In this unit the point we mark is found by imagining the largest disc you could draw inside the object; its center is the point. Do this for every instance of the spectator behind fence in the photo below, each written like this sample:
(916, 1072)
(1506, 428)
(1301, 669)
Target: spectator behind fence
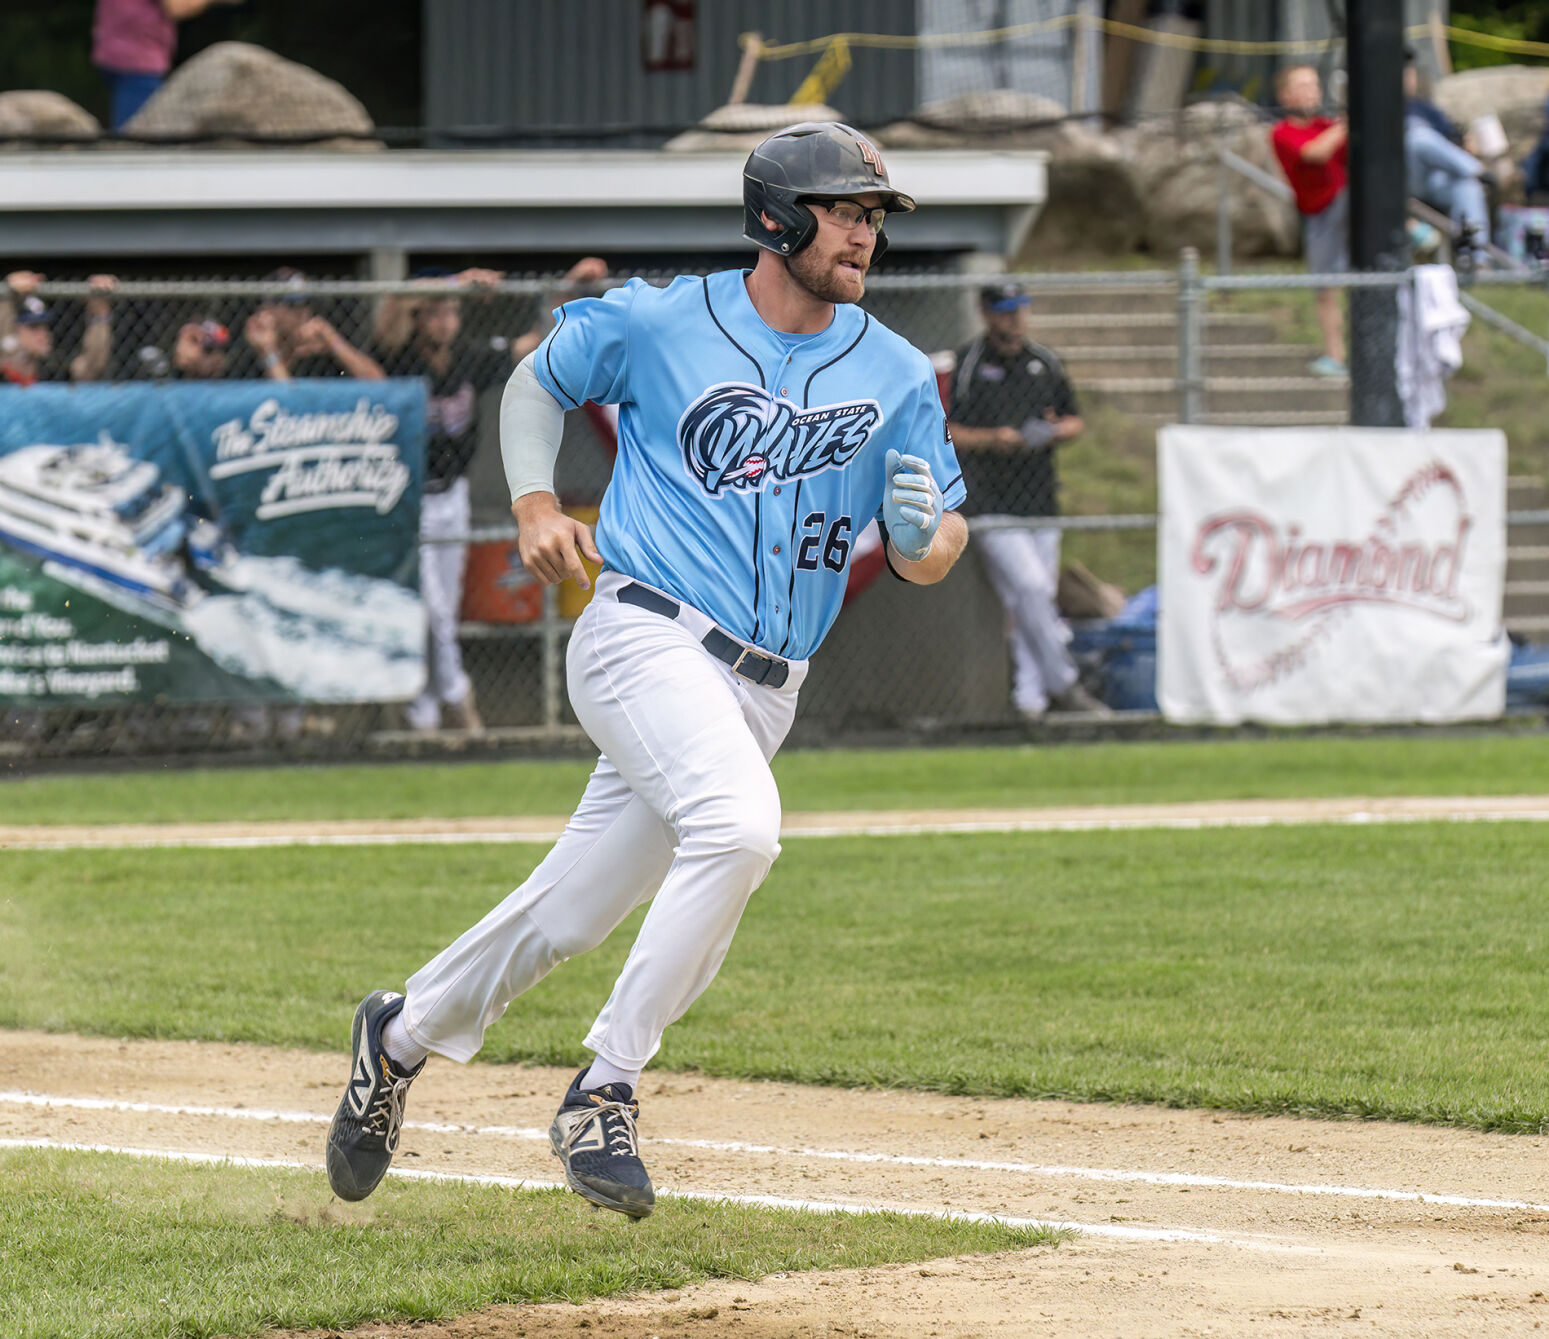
(1535, 167)
(132, 44)
(28, 349)
(286, 339)
(1011, 406)
(423, 336)
(1439, 171)
(1313, 153)
(201, 351)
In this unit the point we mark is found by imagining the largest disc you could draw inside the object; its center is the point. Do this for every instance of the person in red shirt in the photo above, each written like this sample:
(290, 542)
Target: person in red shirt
(1313, 153)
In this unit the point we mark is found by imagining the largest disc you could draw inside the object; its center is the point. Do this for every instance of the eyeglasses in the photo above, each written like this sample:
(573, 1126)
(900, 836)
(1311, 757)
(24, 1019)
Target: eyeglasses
(849, 215)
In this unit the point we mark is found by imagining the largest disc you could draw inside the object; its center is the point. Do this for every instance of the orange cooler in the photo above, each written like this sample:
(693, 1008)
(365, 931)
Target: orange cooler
(497, 588)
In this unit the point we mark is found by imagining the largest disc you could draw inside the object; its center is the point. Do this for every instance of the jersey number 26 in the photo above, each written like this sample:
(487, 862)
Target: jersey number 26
(836, 544)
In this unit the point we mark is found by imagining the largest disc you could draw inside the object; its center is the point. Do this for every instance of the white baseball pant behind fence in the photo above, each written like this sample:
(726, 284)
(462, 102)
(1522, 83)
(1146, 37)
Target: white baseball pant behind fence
(1024, 567)
(442, 516)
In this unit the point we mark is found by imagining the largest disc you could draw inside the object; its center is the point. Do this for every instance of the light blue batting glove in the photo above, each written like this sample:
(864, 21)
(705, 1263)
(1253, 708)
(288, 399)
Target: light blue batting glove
(911, 505)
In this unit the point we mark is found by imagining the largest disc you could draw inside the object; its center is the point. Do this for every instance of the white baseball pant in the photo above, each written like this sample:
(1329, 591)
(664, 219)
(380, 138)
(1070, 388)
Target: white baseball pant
(442, 515)
(1024, 567)
(682, 806)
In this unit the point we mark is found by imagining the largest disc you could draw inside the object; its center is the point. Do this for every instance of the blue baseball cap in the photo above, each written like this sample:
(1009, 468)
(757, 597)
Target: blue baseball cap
(293, 279)
(33, 311)
(1005, 297)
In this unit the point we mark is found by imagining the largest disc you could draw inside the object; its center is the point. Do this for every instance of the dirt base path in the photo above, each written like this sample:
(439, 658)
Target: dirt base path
(1199, 1223)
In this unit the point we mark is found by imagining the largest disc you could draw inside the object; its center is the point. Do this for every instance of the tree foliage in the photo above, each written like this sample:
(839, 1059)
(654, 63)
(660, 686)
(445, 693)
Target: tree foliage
(1527, 21)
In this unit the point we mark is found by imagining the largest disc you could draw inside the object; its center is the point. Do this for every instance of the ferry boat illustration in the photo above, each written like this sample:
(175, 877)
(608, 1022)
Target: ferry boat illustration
(108, 522)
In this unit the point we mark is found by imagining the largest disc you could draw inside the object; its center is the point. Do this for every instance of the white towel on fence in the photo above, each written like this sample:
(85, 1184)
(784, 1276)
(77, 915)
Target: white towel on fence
(1431, 322)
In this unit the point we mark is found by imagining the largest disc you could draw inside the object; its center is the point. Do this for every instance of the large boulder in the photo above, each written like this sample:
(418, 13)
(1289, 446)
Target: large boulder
(1092, 203)
(1154, 186)
(28, 112)
(1515, 93)
(1178, 175)
(742, 126)
(989, 112)
(239, 92)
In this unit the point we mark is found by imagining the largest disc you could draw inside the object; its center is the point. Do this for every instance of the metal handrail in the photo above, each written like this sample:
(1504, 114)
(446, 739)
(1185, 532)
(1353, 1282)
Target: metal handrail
(1232, 162)
(1418, 209)
(1506, 325)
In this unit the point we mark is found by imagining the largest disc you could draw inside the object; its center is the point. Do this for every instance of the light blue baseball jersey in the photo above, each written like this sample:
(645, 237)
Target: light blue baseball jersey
(748, 461)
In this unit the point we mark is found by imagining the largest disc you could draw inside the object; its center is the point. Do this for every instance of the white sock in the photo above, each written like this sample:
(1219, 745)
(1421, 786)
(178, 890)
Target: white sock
(602, 1072)
(401, 1048)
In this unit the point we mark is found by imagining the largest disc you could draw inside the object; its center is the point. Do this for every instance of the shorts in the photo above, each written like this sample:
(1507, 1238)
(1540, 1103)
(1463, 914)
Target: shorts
(1326, 237)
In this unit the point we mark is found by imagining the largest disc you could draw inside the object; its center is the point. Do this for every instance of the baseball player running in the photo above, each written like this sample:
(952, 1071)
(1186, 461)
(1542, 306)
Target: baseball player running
(764, 421)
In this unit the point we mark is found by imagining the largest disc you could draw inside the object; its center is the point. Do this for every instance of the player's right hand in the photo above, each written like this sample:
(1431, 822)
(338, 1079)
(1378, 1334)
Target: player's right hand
(547, 540)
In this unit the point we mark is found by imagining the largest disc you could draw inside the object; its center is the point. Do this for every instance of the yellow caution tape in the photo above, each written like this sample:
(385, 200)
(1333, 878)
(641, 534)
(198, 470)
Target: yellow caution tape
(1113, 28)
(1517, 46)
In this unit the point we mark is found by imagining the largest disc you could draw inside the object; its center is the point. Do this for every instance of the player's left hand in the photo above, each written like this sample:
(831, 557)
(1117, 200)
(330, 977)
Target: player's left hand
(911, 505)
(547, 541)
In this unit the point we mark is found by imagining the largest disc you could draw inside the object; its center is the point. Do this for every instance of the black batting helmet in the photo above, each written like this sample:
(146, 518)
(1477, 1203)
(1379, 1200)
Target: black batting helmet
(815, 158)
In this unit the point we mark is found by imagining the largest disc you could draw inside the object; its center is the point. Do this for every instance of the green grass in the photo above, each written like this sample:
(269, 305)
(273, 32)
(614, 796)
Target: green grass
(1112, 467)
(1120, 773)
(1383, 971)
(1110, 470)
(101, 1246)
(1501, 382)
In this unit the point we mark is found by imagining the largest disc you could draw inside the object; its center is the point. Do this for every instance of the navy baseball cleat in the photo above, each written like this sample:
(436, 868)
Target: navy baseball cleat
(364, 1133)
(594, 1136)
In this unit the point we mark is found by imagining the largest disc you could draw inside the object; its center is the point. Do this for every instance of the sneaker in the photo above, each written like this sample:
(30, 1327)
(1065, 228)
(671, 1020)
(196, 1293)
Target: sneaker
(462, 715)
(594, 1136)
(1076, 698)
(1324, 366)
(364, 1133)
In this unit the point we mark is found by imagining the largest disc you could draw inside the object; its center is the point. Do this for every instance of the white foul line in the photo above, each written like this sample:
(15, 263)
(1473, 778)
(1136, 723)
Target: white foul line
(1187, 816)
(1053, 1171)
(1123, 1233)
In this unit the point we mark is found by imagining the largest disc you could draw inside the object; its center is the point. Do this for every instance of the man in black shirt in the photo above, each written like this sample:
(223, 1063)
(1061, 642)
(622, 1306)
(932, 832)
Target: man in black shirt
(1011, 406)
(424, 337)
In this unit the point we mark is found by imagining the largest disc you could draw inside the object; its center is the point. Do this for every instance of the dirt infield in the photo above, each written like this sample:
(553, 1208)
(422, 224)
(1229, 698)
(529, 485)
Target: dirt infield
(1199, 1223)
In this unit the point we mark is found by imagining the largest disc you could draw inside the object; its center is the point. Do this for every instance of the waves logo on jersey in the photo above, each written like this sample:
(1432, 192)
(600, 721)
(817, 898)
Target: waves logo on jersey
(737, 436)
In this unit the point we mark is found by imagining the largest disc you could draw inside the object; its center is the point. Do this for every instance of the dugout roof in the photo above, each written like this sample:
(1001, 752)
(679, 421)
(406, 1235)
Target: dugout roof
(127, 203)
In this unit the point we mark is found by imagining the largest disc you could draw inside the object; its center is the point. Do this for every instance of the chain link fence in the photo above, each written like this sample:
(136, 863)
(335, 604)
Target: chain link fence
(1054, 386)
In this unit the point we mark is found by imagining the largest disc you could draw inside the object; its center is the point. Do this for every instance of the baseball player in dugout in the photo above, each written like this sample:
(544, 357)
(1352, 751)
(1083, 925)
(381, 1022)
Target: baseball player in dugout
(1011, 407)
(764, 420)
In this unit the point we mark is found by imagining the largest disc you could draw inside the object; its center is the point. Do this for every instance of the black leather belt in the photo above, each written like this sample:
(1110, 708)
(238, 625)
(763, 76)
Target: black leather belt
(754, 666)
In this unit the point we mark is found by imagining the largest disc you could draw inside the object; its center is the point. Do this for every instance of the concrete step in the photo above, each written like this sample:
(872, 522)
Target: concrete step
(1534, 629)
(1526, 599)
(1161, 360)
(1105, 298)
(1527, 562)
(1225, 395)
(1526, 492)
(1250, 418)
(1160, 327)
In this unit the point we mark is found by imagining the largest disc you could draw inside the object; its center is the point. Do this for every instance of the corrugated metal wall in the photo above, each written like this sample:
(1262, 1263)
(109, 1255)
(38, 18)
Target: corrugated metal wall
(1039, 62)
(577, 62)
(1283, 21)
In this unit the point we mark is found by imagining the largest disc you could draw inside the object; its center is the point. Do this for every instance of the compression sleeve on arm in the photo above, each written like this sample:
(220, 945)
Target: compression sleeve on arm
(532, 423)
